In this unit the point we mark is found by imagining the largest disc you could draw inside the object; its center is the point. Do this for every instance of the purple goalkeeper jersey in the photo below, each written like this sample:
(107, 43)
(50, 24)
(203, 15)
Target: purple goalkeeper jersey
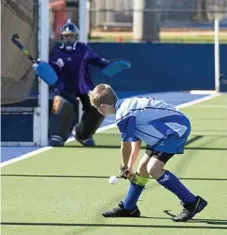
(74, 76)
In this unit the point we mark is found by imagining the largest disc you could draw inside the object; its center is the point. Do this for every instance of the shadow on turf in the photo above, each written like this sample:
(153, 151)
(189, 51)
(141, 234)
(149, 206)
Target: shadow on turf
(193, 139)
(100, 177)
(115, 146)
(203, 148)
(175, 226)
(207, 221)
(167, 212)
(143, 147)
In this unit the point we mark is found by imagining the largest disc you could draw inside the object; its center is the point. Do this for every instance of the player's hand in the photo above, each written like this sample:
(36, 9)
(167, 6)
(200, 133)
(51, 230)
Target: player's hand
(126, 172)
(60, 63)
(123, 170)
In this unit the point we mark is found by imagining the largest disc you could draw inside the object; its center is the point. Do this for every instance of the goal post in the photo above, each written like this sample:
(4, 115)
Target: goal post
(83, 20)
(84, 6)
(43, 35)
(216, 55)
(216, 11)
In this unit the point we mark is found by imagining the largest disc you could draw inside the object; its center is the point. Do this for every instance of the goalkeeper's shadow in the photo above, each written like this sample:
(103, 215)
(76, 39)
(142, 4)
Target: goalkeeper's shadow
(97, 146)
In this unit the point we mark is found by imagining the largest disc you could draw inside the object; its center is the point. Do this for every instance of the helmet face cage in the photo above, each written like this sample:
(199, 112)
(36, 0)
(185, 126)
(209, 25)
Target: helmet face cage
(69, 39)
(69, 35)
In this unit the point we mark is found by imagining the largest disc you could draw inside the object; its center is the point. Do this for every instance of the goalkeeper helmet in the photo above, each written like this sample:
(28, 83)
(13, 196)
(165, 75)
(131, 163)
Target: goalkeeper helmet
(69, 35)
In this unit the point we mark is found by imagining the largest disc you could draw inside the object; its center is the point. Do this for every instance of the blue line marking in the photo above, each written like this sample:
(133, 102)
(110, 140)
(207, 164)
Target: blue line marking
(8, 153)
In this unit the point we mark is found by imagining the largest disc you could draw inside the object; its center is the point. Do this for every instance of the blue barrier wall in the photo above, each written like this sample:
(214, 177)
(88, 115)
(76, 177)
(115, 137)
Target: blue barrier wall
(163, 67)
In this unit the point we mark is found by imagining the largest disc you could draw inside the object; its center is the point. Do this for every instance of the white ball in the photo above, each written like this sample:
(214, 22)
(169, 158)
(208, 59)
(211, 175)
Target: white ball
(113, 180)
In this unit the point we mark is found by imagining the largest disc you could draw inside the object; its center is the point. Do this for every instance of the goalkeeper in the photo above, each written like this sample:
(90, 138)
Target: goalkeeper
(70, 59)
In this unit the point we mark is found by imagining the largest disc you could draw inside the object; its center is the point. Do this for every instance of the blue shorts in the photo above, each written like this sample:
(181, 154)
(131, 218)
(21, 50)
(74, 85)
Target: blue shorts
(172, 143)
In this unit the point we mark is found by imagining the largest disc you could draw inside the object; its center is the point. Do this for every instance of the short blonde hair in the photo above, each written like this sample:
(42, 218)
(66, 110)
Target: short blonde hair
(103, 94)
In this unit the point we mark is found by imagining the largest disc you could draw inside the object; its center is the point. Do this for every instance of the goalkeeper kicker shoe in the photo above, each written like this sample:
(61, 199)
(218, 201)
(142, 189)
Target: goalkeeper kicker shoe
(56, 141)
(121, 212)
(190, 210)
(89, 142)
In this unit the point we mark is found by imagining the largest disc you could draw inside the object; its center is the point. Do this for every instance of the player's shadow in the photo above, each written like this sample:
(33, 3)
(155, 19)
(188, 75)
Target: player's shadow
(98, 146)
(207, 221)
(143, 147)
(115, 144)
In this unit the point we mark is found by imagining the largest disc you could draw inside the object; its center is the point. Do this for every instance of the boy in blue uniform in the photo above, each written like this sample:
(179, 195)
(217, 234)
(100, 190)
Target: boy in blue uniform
(70, 60)
(165, 131)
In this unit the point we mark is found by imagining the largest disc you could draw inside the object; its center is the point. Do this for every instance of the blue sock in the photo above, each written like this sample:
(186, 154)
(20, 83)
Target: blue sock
(133, 195)
(173, 184)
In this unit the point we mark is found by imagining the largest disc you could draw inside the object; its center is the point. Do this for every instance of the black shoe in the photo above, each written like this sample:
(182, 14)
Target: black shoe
(121, 212)
(190, 210)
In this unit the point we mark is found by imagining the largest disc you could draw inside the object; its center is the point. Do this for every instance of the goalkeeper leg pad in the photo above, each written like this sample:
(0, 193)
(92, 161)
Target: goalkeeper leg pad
(60, 121)
(89, 123)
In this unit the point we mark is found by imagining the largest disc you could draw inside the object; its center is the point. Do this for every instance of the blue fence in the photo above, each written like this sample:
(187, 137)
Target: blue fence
(163, 67)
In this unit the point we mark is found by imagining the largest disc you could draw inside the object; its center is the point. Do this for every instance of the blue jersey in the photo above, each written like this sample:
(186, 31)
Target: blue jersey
(74, 77)
(155, 122)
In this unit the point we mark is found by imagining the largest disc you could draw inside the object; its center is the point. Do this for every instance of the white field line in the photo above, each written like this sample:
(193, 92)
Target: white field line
(217, 106)
(197, 101)
(203, 92)
(25, 156)
(44, 149)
